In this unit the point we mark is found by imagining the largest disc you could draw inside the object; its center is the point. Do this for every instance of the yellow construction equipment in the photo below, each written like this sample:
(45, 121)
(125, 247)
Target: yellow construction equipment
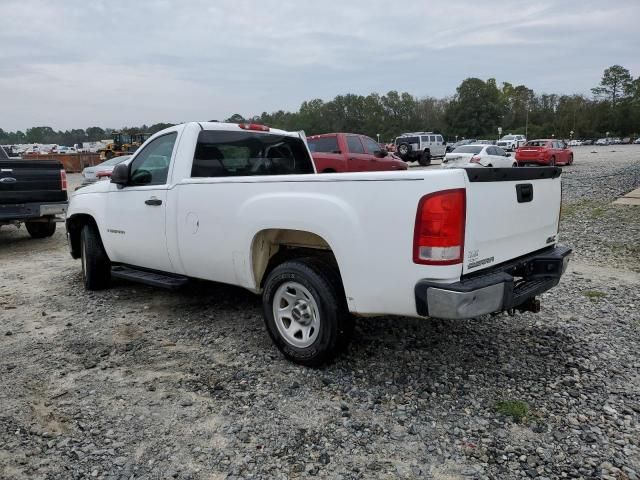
(123, 144)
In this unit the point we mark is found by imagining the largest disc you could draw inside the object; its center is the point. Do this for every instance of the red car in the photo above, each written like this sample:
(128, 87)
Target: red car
(349, 152)
(544, 152)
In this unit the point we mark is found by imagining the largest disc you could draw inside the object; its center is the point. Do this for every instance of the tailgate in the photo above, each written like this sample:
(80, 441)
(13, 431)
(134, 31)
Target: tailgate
(31, 181)
(510, 212)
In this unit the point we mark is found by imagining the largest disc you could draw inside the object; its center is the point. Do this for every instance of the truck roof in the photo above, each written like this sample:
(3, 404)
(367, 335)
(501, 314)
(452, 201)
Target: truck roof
(235, 127)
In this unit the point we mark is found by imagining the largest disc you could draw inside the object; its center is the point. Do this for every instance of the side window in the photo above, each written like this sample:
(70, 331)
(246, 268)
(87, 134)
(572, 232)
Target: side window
(354, 144)
(425, 139)
(500, 151)
(151, 165)
(439, 138)
(371, 145)
(432, 138)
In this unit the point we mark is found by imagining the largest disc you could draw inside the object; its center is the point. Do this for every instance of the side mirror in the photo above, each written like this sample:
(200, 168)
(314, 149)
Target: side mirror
(380, 153)
(120, 174)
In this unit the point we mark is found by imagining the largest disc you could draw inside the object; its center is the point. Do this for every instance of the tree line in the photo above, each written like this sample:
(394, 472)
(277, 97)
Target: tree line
(477, 109)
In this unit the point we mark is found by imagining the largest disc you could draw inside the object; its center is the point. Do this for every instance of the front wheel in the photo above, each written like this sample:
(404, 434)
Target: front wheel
(305, 311)
(41, 229)
(96, 266)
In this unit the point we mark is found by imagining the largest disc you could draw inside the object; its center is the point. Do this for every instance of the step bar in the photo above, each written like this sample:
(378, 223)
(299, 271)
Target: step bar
(155, 279)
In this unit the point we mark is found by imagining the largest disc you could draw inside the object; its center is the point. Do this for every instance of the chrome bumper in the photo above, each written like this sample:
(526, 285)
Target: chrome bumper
(507, 287)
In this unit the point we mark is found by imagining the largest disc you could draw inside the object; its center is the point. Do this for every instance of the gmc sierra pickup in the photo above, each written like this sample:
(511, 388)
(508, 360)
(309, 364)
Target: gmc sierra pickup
(32, 192)
(243, 205)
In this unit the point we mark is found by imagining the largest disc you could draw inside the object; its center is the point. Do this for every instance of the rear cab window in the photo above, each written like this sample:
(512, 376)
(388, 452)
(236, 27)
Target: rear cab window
(227, 153)
(328, 144)
(475, 149)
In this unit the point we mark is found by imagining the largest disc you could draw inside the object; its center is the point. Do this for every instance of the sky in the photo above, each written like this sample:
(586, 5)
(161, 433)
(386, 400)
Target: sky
(78, 63)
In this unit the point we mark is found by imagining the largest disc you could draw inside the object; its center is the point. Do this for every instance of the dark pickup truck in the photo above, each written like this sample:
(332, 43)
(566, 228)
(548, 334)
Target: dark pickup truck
(32, 192)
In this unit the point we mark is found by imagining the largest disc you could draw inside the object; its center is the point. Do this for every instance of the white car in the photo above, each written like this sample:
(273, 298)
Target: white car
(603, 141)
(511, 142)
(242, 204)
(478, 156)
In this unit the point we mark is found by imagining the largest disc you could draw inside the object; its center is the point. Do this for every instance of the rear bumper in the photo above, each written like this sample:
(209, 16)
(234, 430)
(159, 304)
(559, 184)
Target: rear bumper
(27, 211)
(502, 288)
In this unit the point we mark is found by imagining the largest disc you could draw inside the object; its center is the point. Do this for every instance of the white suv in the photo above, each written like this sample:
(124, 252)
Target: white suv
(420, 147)
(511, 142)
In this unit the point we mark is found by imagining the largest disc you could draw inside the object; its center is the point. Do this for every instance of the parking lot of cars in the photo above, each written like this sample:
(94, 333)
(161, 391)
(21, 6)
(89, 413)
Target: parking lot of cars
(137, 382)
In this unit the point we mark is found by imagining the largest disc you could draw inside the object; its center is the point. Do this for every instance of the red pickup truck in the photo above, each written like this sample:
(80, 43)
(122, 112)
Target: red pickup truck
(349, 152)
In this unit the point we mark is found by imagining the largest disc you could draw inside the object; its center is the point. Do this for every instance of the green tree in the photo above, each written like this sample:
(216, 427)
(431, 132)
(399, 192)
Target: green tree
(616, 83)
(477, 108)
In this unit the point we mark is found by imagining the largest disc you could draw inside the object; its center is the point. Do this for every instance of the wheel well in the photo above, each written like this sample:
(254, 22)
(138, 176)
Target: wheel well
(75, 224)
(271, 247)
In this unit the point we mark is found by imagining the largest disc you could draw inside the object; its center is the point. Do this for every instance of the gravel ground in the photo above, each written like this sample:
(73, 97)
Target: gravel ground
(136, 382)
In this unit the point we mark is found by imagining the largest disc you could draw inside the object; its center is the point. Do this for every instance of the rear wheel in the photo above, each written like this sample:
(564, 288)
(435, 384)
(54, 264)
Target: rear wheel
(305, 311)
(514, 165)
(570, 162)
(41, 229)
(96, 266)
(425, 158)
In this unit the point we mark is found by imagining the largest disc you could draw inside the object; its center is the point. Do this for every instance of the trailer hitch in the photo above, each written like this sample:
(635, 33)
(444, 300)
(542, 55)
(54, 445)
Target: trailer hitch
(531, 305)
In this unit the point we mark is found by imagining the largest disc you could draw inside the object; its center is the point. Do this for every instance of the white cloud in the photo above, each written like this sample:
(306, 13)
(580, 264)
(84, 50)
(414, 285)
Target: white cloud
(116, 62)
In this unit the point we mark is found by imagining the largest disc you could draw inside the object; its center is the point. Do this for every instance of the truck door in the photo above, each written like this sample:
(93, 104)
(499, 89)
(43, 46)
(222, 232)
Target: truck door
(359, 160)
(135, 214)
(372, 147)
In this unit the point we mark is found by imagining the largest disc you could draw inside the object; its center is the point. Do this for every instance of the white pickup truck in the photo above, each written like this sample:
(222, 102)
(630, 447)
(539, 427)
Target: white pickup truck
(243, 205)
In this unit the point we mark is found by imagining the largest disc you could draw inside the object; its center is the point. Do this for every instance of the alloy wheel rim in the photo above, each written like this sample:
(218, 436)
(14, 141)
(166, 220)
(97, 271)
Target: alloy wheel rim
(296, 314)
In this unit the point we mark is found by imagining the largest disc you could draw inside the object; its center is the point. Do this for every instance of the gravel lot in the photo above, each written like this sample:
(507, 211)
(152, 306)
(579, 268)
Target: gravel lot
(136, 382)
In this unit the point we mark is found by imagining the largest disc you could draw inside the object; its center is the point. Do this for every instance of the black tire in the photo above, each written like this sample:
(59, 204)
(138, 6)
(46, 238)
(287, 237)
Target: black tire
(514, 165)
(425, 159)
(570, 162)
(552, 162)
(96, 266)
(41, 229)
(322, 282)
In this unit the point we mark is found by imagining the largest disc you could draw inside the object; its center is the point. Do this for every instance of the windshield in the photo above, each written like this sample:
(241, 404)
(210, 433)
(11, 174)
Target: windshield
(508, 137)
(115, 160)
(469, 149)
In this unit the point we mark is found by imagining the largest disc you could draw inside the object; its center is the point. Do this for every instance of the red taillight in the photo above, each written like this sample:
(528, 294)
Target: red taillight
(475, 159)
(63, 180)
(253, 126)
(438, 236)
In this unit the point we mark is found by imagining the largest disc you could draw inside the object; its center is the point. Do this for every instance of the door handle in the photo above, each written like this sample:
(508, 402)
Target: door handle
(153, 201)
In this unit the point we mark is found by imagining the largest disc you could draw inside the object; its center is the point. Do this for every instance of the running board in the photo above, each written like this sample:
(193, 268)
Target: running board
(149, 278)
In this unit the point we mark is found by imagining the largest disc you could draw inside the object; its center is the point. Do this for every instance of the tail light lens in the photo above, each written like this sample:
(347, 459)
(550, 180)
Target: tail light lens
(475, 159)
(438, 236)
(63, 180)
